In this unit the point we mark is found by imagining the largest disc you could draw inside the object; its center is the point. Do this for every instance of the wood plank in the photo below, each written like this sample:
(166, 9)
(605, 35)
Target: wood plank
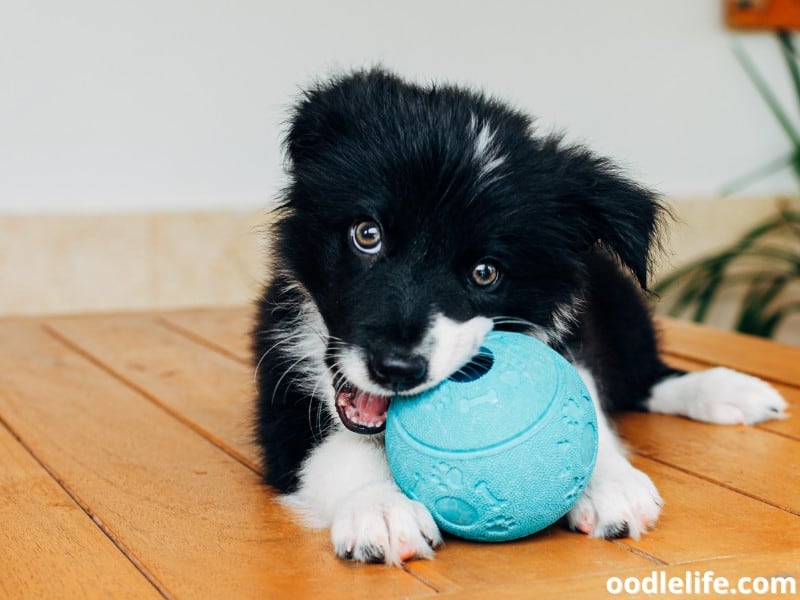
(747, 459)
(463, 564)
(194, 517)
(227, 329)
(755, 355)
(49, 547)
(702, 520)
(579, 586)
(687, 364)
(210, 391)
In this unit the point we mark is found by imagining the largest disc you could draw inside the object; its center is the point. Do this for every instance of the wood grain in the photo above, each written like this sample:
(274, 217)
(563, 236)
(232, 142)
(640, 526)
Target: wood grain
(212, 392)
(49, 547)
(461, 564)
(701, 520)
(226, 329)
(142, 419)
(766, 466)
(754, 355)
(579, 586)
(194, 517)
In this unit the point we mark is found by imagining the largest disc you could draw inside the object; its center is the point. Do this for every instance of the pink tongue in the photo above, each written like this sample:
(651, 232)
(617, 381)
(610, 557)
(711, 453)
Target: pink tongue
(371, 405)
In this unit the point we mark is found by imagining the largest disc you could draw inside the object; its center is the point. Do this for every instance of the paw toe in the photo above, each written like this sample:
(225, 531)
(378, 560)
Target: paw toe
(614, 531)
(384, 528)
(618, 505)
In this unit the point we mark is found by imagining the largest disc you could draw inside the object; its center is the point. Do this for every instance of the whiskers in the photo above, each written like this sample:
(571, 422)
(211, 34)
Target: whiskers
(285, 340)
(297, 358)
(506, 323)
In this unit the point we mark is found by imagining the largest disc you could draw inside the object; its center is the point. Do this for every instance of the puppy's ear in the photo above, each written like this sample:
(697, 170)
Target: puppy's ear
(613, 211)
(331, 112)
(315, 121)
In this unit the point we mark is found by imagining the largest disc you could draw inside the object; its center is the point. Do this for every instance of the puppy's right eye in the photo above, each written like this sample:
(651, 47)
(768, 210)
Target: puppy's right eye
(366, 237)
(485, 274)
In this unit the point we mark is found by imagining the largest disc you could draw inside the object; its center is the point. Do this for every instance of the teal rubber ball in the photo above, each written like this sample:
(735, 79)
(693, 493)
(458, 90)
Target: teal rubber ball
(501, 449)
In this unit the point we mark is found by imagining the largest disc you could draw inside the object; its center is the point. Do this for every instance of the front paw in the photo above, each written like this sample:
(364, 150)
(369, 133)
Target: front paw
(728, 397)
(380, 524)
(618, 502)
(720, 395)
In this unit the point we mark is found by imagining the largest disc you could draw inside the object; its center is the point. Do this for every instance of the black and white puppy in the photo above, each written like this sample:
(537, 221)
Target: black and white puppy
(417, 219)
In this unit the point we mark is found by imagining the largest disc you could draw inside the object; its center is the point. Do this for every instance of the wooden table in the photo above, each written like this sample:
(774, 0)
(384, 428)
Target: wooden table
(126, 470)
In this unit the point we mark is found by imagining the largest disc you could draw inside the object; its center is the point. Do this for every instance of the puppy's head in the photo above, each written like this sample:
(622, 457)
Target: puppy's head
(417, 218)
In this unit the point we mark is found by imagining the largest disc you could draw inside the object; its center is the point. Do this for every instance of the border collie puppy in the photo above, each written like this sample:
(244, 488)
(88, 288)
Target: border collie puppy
(417, 219)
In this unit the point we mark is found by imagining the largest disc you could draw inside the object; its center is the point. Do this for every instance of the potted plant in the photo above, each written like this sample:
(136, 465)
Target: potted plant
(761, 269)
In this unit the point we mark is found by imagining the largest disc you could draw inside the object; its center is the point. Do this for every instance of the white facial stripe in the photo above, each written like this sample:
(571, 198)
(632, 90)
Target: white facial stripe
(447, 346)
(452, 344)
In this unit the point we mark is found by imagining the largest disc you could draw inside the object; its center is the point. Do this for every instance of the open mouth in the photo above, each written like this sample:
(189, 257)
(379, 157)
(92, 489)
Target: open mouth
(360, 411)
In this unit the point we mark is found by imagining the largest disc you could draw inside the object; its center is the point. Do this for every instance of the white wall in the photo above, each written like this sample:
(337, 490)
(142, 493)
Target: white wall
(178, 104)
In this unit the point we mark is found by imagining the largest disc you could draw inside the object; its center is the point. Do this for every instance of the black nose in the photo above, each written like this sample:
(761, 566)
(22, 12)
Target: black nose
(399, 371)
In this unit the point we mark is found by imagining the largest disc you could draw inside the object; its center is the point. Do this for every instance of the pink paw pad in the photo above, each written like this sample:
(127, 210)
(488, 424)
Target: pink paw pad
(586, 523)
(406, 551)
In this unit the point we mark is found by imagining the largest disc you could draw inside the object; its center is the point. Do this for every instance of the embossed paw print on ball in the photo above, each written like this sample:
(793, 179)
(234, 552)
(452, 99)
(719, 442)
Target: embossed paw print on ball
(501, 449)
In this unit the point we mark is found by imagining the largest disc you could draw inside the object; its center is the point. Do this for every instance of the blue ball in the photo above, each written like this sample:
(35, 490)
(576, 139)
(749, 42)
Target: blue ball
(501, 449)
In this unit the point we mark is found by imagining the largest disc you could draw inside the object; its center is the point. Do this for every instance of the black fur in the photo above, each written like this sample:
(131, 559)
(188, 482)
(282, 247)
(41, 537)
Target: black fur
(568, 231)
(616, 337)
(289, 422)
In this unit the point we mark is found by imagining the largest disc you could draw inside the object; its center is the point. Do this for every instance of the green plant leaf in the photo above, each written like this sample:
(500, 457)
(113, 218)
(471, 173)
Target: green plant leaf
(709, 265)
(763, 171)
(766, 94)
(767, 226)
(689, 294)
(698, 284)
(771, 322)
(753, 314)
(790, 56)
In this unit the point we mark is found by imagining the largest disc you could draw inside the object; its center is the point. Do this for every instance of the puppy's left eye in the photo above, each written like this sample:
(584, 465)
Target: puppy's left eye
(366, 237)
(485, 274)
